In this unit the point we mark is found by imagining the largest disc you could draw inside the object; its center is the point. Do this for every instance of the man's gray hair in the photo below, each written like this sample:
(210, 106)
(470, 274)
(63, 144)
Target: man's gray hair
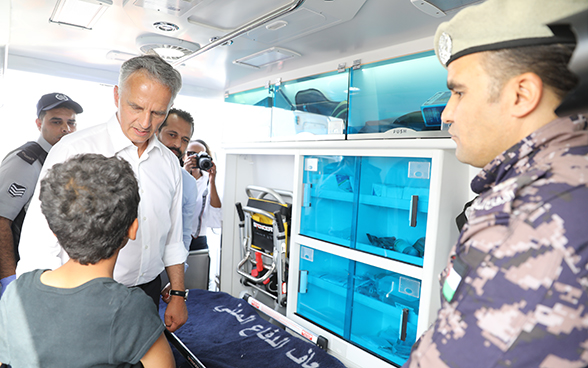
(156, 68)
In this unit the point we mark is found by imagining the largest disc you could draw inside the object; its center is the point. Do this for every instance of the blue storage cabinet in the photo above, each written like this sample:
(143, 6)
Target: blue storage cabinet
(372, 230)
(373, 308)
(400, 97)
(396, 98)
(377, 205)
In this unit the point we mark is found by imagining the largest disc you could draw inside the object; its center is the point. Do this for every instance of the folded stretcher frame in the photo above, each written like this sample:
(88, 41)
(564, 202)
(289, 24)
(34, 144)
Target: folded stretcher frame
(263, 228)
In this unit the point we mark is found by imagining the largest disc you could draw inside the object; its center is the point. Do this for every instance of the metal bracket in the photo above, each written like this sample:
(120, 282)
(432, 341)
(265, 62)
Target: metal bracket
(278, 81)
(268, 84)
(356, 64)
(341, 68)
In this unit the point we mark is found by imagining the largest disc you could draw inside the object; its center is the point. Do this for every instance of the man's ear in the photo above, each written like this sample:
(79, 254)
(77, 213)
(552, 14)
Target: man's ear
(39, 122)
(527, 91)
(133, 229)
(116, 96)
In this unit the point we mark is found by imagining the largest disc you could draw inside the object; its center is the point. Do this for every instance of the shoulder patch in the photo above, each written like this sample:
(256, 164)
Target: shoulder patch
(31, 152)
(17, 190)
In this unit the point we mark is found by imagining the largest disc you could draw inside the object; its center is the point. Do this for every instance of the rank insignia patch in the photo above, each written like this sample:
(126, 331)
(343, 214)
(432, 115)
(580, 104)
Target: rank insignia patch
(17, 190)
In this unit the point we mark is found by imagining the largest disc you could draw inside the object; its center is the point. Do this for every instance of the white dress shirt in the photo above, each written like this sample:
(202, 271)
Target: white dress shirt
(159, 238)
(190, 193)
(212, 216)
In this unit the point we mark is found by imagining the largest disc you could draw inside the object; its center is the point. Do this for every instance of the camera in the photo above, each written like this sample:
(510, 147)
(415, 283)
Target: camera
(203, 161)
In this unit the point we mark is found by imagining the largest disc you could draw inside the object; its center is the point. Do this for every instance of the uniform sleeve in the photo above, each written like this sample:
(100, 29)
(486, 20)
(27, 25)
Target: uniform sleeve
(17, 185)
(175, 252)
(38, 247)
(188, 207)
(135, 328)
(523, 299)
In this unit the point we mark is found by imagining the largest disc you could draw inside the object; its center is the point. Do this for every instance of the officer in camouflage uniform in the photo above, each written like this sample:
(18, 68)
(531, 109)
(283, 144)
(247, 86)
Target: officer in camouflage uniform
(514, 290)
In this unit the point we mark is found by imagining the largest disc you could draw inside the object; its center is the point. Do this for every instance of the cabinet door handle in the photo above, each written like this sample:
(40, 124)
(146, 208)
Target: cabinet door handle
(403, 324)
(412, 212)
(306, 195)
(302, 281)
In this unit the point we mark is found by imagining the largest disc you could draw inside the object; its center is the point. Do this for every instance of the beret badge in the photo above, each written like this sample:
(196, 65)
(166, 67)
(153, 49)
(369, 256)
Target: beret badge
(445, 45)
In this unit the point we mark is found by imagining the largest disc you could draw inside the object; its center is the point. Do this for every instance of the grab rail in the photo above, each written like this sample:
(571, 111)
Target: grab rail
(285, 9)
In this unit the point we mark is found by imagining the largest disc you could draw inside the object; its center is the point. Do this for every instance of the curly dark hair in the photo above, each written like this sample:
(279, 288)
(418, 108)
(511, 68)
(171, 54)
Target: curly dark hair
(90, 201)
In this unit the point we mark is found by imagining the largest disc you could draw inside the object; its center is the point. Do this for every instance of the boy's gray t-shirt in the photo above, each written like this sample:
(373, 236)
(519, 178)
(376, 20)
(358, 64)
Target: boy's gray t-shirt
(99, 324)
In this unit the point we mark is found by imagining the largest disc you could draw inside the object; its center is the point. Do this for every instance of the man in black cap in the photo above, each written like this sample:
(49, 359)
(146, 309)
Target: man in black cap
(19, 171)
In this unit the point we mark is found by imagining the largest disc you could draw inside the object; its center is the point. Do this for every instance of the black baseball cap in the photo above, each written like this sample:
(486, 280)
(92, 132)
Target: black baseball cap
(53, 100)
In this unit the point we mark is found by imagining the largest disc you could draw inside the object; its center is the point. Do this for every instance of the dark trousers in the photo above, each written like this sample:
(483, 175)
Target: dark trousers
(199, 243)
(152, 289)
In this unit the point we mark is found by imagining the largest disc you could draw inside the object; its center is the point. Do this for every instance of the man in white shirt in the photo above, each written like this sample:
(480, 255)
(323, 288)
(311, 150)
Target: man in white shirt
(145, 93)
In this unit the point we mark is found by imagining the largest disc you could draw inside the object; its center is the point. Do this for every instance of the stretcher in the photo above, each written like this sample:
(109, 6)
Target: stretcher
(223, 331)
(264, 225)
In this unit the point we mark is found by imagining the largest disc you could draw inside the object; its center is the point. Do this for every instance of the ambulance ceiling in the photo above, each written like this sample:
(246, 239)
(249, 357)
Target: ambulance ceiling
(316, 31)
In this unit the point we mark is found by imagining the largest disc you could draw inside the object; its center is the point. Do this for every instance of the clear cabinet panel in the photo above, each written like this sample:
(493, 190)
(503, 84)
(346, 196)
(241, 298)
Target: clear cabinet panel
(248, 116)
(374, 204)
(402, 94)
(371, 307)
(393, 205)
(328, 198)
(255, 97)
(311, 106)
(323, 286)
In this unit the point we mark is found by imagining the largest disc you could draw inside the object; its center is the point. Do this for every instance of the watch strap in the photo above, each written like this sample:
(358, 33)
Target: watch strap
(183, 294)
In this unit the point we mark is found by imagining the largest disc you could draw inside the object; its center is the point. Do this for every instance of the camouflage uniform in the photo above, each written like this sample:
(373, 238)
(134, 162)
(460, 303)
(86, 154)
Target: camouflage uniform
(522, 301)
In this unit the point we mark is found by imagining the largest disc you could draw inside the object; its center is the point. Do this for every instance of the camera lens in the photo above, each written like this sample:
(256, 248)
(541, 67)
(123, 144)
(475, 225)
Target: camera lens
(204, 161)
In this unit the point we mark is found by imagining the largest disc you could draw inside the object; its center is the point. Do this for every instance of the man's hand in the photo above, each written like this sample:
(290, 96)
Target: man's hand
(176, 313)
(165, 293)
(212, 172)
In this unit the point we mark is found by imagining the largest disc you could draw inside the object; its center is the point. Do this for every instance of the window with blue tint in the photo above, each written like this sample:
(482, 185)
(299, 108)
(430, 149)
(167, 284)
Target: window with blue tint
(314, 105)
(330, 188)
(373, 308)
(409, 92)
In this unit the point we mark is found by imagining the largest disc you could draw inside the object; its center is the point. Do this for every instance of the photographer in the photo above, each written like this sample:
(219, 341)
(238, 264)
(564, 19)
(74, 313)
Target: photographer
(198, 162)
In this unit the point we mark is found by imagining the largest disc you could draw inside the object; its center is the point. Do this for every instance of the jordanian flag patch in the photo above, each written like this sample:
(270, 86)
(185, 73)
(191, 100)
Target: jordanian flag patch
(17, 190)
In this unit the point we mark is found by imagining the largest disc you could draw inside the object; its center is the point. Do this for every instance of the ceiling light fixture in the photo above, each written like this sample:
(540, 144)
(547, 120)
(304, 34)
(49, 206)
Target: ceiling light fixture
(166, 26)
(168, 48)
(266, 57)
(79, 13)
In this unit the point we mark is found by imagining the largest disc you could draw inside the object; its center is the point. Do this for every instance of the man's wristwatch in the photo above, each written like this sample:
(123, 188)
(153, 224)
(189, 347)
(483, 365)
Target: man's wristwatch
(183, 294)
